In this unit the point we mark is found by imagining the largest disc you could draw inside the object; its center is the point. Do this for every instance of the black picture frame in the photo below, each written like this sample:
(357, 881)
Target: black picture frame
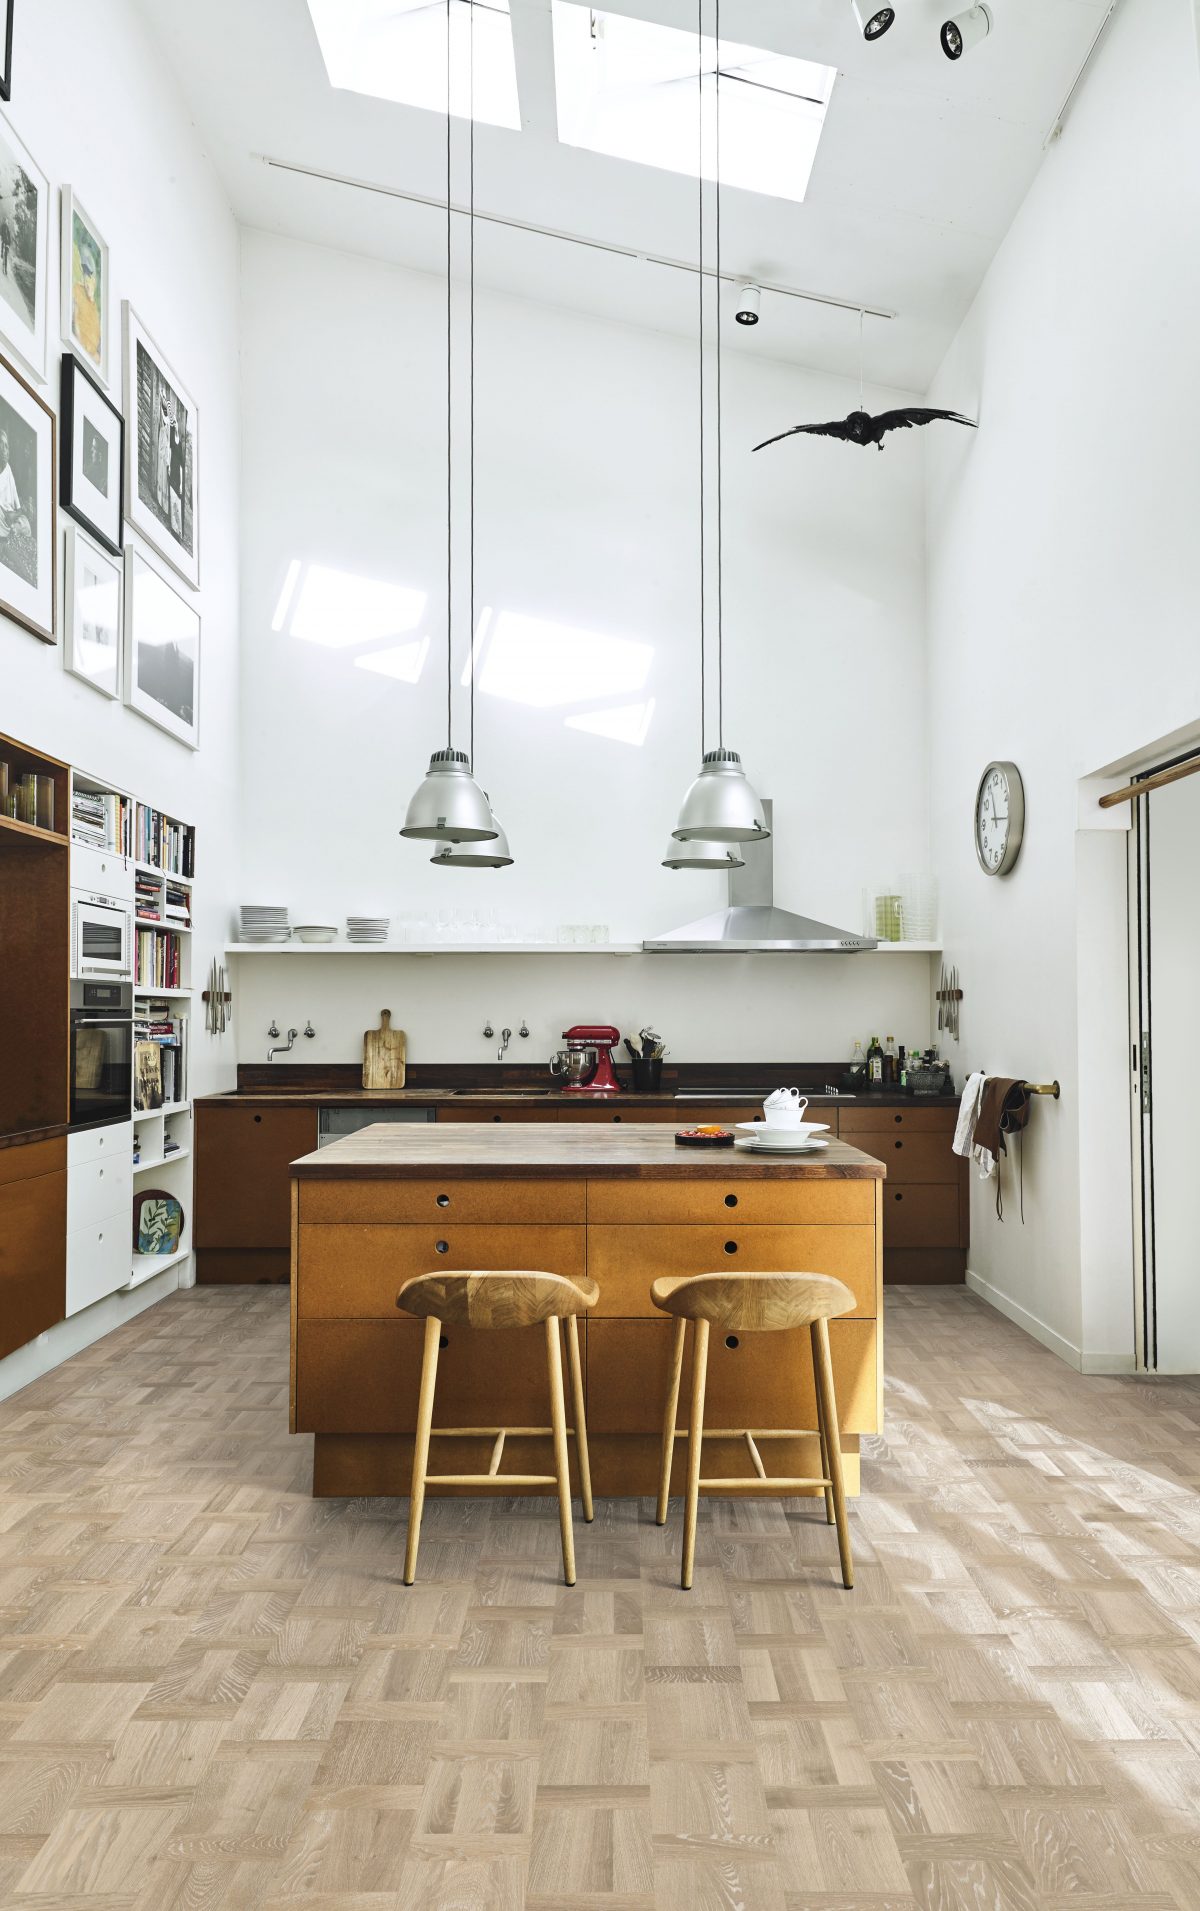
(71, 415)
(10, 7)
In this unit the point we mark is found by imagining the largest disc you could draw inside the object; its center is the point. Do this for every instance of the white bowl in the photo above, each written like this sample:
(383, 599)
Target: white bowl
(795, 1131)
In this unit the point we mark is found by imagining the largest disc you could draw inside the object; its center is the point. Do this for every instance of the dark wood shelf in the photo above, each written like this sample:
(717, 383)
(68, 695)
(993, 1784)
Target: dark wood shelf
(52, 837)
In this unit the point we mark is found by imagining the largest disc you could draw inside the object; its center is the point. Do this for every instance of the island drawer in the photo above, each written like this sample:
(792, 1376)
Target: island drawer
(921, 1217)
(442, 1201)
(363, 1376)
(353, 1271)
(864, 1119)
(761, 1380)
(911, 1157)
(486, 1111)
(624, 1260)
(726, 1201)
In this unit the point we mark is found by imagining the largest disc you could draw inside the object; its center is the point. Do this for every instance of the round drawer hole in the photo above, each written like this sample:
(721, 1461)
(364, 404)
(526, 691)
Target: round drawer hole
(617, 1117)
(497, 1117)
(258, 1117)
(899, 1197)
(731, 1247)
(899, 1144)
(731, 1200)
(731, 1340)
(443, 1340)
(443, 1200)
(443, 1247)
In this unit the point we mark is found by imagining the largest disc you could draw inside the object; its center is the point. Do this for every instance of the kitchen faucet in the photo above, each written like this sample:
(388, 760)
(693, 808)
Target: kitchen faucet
(281, 1048)
(505, 1039)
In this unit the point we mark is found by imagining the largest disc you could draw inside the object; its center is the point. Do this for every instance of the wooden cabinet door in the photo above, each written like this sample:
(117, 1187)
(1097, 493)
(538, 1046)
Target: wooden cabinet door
(487, 1111)
(910, 1158)
(362, 1376)
(243, 1193)
(33, 1241)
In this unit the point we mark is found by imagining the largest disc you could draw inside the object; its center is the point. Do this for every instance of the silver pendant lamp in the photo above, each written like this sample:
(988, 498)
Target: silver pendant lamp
(721, 806)
(448, 806)
(493, 855)
(701, 852)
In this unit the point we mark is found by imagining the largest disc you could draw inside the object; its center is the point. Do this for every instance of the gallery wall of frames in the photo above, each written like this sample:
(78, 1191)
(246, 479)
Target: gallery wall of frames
(99, 451)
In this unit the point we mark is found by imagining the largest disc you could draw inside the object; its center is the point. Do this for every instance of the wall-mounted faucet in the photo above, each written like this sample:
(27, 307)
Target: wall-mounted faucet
(283, 1047)
(505, 1039)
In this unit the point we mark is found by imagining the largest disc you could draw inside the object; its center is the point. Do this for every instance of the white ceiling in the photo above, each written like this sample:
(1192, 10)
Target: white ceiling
(921, 167)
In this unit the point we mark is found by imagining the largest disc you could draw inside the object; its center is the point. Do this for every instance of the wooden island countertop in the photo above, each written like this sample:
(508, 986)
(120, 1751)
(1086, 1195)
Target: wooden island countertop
(620, 1205)
(642, 1152)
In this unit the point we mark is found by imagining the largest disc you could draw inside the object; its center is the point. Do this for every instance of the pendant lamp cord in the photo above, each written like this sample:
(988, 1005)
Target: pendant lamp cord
(700, 281)
(471, 355)
(860, 358)
(720, 564)
(449, 418)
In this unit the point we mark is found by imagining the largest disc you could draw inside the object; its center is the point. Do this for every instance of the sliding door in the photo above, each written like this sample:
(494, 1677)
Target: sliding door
(1165, 921)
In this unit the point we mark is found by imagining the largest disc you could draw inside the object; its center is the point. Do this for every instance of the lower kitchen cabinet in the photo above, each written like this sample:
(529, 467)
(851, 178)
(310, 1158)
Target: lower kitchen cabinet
(242, 1221)
(363, 1376)
(99, 1213)
(33, 1240)
(926, 1205)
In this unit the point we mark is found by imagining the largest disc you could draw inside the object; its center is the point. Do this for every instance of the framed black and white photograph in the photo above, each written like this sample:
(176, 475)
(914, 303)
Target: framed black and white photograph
(28, 513)
(162, 650)
(83, 284)
(92, 590)
(162, 456)
(7, 7)
(24, 243)
(92, 452)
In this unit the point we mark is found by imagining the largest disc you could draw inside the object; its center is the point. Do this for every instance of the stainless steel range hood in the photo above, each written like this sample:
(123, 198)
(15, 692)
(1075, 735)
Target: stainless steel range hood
(753, 924)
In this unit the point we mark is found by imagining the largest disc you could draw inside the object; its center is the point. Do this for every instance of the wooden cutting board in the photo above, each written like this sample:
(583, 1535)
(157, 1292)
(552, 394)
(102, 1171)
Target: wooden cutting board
(384, 1050)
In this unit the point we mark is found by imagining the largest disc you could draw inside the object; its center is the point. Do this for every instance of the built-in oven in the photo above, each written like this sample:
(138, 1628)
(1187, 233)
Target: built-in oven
(101, 936)
(101, 1053)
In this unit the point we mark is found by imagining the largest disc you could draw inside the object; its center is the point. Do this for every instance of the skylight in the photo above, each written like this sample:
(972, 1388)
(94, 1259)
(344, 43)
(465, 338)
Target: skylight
(396, 50)
(628, 88)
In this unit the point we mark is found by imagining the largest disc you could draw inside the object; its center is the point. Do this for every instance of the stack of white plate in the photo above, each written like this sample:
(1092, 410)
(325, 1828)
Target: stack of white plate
(315, 932)
(264, 922)
(367, 928)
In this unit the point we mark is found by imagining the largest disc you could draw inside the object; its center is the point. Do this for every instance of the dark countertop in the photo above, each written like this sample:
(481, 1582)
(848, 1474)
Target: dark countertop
(690, 1101)
(474, 1151)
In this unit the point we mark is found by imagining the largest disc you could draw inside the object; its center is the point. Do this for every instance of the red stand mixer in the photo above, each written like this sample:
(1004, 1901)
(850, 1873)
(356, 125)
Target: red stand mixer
(585, 1064)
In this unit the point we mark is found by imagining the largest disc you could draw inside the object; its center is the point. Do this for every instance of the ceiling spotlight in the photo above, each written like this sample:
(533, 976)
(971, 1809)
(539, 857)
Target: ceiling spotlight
(748, 301)
(873, 22)
(965, 31)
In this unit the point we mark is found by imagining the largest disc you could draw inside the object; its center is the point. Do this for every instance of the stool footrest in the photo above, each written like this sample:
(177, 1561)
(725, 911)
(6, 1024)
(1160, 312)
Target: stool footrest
(501, 1480)
(743, 1433)
(490, 1433)
(760, 1484)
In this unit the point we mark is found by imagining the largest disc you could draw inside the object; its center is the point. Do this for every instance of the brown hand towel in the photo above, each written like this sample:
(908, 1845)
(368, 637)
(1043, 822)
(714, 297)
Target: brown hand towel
(1003, 1110)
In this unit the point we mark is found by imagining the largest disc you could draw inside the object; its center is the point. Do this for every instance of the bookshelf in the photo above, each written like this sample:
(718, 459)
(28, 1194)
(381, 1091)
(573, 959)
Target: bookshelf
(34, 944)
(125, 845)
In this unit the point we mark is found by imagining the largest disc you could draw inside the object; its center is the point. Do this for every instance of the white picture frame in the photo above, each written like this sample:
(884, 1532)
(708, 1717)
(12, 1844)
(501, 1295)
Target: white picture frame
(162, 453)
(28, 507)
(83, 294)
(93, 600)
(24, 251)
(162, 648)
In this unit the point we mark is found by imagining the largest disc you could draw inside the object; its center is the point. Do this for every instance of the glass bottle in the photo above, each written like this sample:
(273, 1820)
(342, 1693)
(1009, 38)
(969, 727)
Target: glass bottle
(875, 1063)
(891, 1071)
(858, 1062)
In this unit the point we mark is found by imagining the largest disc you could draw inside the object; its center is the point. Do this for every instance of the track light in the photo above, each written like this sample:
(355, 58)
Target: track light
(748, 301)
(873, 22)
(965, 31)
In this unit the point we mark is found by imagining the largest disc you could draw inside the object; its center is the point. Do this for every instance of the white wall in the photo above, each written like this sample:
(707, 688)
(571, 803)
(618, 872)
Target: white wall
(1063, 576)
(99, 112)
(586, 513)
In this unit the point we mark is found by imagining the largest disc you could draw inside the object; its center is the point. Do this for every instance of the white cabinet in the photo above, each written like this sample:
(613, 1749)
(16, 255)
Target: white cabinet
(99, 1213)
(101, 872)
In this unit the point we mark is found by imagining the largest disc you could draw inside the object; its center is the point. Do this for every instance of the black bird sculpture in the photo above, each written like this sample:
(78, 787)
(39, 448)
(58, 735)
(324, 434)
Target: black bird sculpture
(860, 428)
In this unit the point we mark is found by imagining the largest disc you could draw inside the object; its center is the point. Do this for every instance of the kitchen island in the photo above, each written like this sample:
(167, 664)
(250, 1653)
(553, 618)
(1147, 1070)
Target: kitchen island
(623, 1206)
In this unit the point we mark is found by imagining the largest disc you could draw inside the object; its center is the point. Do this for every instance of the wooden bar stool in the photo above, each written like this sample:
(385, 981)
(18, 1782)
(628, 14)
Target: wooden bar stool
(751, 1304)
(483, 1298)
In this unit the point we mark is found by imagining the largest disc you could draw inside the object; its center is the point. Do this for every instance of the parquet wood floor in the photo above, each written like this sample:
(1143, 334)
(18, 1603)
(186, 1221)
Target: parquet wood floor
(215, 1691)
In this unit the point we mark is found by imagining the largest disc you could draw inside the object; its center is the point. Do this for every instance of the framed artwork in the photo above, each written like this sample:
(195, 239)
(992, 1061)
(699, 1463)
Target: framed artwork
(161, 448)
(24, 241)
(28, 516)
(162, 650)
(83, 282)
(6, 71)
(92, 590)
(92, 433)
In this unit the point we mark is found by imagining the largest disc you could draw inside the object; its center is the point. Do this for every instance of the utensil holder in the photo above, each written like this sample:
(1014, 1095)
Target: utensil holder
(647, 1072)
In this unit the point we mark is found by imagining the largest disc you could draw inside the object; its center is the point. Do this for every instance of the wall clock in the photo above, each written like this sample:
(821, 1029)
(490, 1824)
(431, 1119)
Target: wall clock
(999, 818)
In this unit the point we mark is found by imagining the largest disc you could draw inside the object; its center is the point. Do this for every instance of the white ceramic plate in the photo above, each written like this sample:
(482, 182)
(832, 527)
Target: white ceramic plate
(758, 1146)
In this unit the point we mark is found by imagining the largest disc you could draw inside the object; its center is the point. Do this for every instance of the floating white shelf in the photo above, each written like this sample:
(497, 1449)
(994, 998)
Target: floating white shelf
(908, 948)
(433, 948)
(144, 1267)
(162, 1161)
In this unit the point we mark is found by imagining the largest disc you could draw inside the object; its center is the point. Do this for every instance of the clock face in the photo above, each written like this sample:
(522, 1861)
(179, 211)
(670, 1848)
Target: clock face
(999, 818)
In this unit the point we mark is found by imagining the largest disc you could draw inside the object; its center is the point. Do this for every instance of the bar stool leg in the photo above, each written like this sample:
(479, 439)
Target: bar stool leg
(823, 1375)
(577, 1407)
(558, 1423)
(668, 1426)
(829, 1513)
(695, 1442)
(416, 1504)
